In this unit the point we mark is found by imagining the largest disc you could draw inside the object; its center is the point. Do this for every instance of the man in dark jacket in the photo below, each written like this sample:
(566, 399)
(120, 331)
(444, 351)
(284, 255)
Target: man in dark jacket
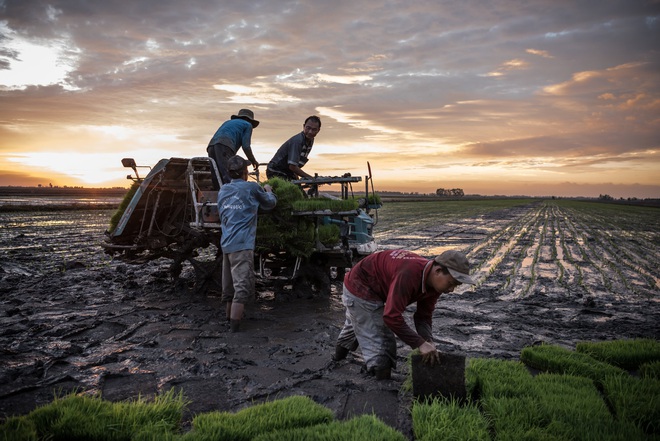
(292, 156)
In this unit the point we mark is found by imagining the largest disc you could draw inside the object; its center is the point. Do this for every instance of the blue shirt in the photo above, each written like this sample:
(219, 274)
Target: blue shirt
(235, 133)
(238, 204)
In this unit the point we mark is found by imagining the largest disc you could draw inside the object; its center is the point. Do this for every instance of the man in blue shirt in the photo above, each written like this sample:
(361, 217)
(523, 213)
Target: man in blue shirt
(238, 204)
(228, 139)
(293, 154)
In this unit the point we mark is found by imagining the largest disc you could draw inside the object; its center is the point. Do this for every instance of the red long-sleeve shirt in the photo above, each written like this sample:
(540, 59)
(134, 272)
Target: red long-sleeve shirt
(397, 278)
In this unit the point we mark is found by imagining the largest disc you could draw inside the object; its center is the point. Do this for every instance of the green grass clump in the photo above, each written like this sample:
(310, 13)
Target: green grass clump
(322, 204)
(626, 354)
(374, 199)
(489, 377)
(128, 197)
(635, 400)
(575, 409)
(443, 418)
(650, 370)
(361, 428)
(77, 417)
(557, 407)
(555, 359)
(516, 418)
(278, 230)
(288, 413)
(329, 234)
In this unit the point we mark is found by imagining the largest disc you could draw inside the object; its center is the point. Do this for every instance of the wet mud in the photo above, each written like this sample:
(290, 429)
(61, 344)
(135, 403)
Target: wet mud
(73, 319)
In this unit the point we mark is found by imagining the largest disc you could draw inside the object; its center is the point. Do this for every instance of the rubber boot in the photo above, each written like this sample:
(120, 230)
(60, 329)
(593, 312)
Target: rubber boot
(340, 353)
(383, 374)
(235, 325)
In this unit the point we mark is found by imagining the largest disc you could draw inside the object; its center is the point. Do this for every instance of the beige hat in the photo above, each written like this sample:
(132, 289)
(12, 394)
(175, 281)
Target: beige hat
(457, 264)
(248, 116)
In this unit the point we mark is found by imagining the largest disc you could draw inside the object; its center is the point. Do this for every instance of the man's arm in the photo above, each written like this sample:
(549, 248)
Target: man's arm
(423, 318)
(299, 171)
(398, 298)
(246, 142)
(266, 197)
(295, 146)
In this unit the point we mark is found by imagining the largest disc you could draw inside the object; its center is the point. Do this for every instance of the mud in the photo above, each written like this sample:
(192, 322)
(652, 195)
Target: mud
(73, 319)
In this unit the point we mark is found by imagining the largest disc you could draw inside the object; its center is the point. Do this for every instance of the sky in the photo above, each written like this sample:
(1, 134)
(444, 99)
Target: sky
(498, 97)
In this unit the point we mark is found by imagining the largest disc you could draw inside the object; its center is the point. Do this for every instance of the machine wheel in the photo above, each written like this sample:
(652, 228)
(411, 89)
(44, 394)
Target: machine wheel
(311, 280)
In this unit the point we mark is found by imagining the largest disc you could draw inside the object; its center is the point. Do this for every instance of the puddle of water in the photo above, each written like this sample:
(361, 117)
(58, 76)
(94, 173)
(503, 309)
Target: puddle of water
(434, 251)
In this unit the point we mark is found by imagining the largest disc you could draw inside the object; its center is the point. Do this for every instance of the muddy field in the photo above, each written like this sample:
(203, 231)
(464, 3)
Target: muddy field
(71, 318)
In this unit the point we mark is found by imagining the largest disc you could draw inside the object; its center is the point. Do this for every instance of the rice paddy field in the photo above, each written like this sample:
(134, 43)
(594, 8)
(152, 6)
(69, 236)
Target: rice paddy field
(549, 271)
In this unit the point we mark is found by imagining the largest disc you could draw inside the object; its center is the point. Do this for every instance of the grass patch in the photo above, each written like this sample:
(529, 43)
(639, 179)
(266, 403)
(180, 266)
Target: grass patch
(490, 377)
(635, 400)
(650, 370)
(324, 204)
(78, 417)
(278, 230)
(128, 197)
(626, 354)
(555, 359)
(362, 428)
(288, 413)
(507, 403)
(447, 419)
(329, 234)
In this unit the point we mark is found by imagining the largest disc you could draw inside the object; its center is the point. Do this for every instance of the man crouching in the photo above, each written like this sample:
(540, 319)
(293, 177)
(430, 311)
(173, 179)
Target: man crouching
(376, 293)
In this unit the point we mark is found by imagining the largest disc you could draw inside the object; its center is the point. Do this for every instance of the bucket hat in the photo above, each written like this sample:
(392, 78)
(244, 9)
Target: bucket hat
(248, 116)
(457, 264)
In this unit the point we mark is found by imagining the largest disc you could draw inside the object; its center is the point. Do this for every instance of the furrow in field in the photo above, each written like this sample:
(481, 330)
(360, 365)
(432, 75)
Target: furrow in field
(504, 274)
(546, 268)
(625, 271)
(581, 254)
(526, 254)
(636, 260)
(487, 255)
(567, 257)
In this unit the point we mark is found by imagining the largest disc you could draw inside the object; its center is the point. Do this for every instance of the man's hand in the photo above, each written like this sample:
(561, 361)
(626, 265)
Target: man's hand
(268, 188)
(430, 354)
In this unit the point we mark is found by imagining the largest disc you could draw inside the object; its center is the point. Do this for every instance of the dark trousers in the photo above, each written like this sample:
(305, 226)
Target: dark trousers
(220, 153)
(270, 173)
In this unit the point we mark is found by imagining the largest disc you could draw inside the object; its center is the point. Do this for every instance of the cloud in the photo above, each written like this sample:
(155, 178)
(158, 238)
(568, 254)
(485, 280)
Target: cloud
(414, 85)
(541, 53)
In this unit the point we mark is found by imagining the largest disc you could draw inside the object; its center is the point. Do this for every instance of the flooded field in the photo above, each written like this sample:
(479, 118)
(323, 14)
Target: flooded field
(73, 319)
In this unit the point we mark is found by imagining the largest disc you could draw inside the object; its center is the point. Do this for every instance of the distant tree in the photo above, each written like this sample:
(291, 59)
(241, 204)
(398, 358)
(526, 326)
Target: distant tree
(453, 192)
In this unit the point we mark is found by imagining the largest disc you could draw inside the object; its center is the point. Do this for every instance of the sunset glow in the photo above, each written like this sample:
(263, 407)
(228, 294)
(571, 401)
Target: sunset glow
(543, 100)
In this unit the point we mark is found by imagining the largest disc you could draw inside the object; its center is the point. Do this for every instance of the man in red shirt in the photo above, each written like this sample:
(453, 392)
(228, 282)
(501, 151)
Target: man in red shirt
(379, 289)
